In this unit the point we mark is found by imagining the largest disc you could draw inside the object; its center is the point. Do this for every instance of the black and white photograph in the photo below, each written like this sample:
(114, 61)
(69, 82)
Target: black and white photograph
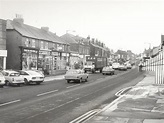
(81, 61)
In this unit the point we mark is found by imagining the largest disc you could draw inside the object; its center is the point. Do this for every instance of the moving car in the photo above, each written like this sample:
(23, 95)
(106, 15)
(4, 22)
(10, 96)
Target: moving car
(108, 70)
(12, 77)
(76, 75)
(115, 65)
(129, 66)
(2, 80)
(31, 76)
(122, 67)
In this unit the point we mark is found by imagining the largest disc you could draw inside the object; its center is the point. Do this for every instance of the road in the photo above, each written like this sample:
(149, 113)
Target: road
(59, 102)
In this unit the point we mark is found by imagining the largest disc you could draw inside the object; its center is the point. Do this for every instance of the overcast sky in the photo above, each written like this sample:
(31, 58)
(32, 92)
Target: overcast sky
(120, 24)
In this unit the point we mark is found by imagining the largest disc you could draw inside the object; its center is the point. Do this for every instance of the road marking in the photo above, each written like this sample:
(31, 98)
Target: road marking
(47, 93)
(48, 110)
(85, 116)
(99, 79)
(73, 86)
(10, 102)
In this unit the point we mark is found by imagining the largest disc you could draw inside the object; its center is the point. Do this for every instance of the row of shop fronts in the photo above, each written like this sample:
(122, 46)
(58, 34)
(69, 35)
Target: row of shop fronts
(46, 60)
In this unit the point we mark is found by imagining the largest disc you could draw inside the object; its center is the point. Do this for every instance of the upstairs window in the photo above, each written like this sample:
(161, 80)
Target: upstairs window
(33, 43)
(55, 46)
(27, 42)
(41, 45)
(46, 45)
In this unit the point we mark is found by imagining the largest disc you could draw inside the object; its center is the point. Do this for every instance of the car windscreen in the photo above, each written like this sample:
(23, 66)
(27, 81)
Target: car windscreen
(33, 73)
(14, 74)
(72, 72)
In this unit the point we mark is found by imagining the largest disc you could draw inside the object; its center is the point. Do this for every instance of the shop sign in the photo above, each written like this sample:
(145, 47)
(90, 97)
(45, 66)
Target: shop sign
(55, 53)
(3, 53)
(59, 48)
(44, 52)
(28, 51)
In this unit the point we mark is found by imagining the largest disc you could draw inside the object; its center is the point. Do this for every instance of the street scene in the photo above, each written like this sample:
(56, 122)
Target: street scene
(68, 61)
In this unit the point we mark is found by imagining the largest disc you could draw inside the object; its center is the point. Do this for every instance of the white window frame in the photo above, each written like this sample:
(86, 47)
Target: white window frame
(42, 45)
(27, 42)
(33, 43)
(46, 45)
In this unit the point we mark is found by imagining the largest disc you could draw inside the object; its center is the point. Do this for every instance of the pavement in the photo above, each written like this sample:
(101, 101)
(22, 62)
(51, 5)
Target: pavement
(142, 103)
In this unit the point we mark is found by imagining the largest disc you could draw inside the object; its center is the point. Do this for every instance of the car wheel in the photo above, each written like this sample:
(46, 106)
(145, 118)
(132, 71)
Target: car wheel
(7, 83)
(26, 81)
(19, 84)
(38, 83)
(86, 80)
(80, 80)
(1, 86)
(68, 81)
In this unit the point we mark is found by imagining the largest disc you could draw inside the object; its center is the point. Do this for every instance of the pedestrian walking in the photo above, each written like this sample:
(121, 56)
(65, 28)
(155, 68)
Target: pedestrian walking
(140, 67)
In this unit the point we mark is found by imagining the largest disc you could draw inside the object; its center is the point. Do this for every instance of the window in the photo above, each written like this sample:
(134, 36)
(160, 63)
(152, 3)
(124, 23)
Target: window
(41, 44)
(27, 42)
(55, 46)
(46, 45)
(33, 43)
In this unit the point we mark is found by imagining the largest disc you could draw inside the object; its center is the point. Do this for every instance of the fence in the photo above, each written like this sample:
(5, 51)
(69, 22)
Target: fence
(156, 64)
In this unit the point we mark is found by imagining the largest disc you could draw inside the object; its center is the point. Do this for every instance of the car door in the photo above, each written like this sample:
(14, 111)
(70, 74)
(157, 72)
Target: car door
(24, 74)
(6, 75)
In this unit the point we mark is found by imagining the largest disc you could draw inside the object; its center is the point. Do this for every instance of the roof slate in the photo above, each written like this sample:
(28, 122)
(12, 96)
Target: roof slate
(68, 38)
(33, 32)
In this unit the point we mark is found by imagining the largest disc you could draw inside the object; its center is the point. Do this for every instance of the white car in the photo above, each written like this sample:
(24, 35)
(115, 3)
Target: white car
(76, 75)
(2, 80)
(115, 65)
(122, 67)
(31, 76)
(129, 66)
(108, 70)
(12, 77)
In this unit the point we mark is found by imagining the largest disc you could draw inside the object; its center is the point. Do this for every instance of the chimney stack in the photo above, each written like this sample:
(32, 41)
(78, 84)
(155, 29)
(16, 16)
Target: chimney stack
(19, 19)
(45, 29)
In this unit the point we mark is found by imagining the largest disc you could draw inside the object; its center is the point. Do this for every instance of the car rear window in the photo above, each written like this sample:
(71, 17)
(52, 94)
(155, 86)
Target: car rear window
(33, 73)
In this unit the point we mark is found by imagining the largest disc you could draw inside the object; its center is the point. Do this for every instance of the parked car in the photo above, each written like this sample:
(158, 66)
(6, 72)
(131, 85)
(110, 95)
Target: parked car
(108, 70)
(12, 77)
(2, 80)
(39, 71)
(76, 75)
(129, 66)
(122, 67)
(115, 65)
(31, 76)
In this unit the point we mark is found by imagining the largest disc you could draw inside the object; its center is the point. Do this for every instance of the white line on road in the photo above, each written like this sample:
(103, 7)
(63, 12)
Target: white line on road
(85, 116)
(73, 86)
(48, 110)
(10, 102)
(47, 93)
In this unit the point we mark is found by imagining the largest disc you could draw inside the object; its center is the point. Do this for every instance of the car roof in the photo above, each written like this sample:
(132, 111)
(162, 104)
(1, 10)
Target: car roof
(10, 71)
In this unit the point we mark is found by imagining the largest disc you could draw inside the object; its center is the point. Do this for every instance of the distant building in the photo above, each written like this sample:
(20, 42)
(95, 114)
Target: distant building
(79, 48)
